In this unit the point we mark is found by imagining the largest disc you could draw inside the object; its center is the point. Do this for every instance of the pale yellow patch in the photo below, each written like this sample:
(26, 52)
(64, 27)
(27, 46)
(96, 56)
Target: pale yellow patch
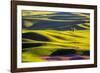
(29, 12)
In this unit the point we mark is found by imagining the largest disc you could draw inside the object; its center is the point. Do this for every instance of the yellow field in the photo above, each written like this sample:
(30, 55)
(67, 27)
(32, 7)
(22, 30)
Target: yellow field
(78, 39)
(45, 32)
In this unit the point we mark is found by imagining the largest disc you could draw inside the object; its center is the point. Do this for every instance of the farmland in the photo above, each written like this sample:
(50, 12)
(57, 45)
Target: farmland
(55, 36)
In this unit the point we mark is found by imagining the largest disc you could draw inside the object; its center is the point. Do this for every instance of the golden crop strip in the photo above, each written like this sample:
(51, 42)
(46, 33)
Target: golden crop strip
(30, 12)
(81, 25)
(81, 14)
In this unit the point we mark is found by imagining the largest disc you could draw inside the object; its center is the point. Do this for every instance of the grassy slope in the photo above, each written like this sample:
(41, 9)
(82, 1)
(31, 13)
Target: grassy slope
(71, 39)
(78, 40)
